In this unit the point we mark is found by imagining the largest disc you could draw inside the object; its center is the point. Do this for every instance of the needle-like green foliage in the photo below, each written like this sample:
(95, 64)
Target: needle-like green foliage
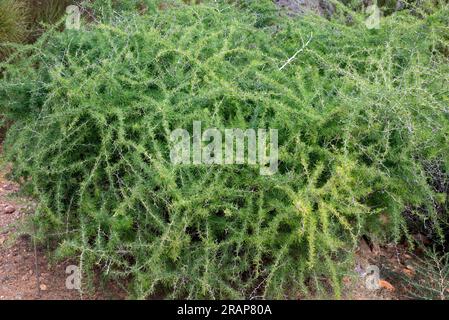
(358, 112)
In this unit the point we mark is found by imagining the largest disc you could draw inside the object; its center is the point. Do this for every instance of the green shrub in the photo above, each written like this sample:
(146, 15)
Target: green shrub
(358, 111)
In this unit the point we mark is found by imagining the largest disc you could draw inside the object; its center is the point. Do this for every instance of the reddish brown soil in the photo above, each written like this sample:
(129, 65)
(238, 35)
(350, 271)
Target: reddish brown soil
(25, 272)
(392, 261)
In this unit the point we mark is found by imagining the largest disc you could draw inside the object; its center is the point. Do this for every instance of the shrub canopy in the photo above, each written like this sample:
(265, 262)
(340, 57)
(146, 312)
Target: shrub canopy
(359, 113)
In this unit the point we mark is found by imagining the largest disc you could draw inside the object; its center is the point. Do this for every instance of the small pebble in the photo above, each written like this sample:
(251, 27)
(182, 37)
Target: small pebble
(9, 210)
(410, 267)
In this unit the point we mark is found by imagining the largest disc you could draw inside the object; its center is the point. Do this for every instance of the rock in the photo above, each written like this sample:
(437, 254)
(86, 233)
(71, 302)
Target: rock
(43, 287)
(386, 285)
(400, 5)
(410, 267)
(409, 273)
(321, 7)
(9, 209)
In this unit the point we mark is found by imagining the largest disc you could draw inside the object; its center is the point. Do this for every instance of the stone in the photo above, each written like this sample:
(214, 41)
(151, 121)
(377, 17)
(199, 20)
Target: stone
(9, 209)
